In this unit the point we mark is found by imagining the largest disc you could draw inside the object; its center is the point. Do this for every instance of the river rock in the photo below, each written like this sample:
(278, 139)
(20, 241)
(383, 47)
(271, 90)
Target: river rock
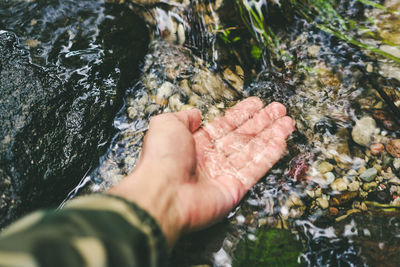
(393, 148)
(342, 198)
(354, 186)
(377, 148)
(396, 163)
(339, 185)
(369, 186)
(324, 167)
(369, 174)
(323, 203)
(363, 131)
(53, 126)
(329, 177)
(386, 119)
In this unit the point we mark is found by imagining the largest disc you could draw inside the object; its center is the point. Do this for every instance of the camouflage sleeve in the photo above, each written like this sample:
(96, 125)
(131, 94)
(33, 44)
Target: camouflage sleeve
(98, 230)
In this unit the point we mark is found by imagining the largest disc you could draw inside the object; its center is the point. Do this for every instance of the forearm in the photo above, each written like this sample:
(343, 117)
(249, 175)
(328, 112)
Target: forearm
(150, 189)
(99, 230)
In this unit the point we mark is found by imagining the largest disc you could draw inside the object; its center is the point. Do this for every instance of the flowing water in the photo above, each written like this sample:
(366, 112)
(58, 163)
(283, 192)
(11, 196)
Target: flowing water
(333, 196)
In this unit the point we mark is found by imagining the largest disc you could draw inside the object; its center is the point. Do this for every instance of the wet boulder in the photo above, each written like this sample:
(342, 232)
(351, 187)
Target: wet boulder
(56, 122)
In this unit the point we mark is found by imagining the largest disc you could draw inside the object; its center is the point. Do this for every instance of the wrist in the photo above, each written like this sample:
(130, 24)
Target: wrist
(157, 196)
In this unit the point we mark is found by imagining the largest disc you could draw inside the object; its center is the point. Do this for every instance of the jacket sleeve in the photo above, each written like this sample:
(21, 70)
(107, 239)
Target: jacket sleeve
(98, 230)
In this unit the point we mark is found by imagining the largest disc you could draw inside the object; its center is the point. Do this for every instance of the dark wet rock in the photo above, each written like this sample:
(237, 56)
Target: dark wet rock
(393, 148)
(272, 86)
(386, 119)
(55, 122)
(382, 196)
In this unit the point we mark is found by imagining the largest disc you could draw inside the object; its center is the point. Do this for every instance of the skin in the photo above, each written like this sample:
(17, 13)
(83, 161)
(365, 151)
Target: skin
(189, 177)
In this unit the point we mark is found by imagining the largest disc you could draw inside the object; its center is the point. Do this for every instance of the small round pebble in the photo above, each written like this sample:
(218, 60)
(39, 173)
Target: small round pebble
(333, 211)
(377, 148)
(323, 203)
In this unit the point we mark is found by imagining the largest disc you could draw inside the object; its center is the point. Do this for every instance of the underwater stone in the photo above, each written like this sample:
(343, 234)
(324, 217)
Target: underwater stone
(354, 186)
(54, 125)
(369, 186)
(323, 203)
(396, 163)
(376, 149)
(339, 185)
(393, 148)
(363, 131)
(369, 174)
(325, 167)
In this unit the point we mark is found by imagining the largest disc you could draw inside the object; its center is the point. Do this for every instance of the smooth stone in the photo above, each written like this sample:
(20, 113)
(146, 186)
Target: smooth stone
(396, 163)
(325, 167)
(394, 180)
(318, 192)
(354, 186)
(369, 174)
(333, 211)
(329, 177)
(175, 103)
(369, 186)
(323, 203)
(132, 112)
(377, 148)
(339, 185)
(363, 131)
(393, 148)
(164, 92)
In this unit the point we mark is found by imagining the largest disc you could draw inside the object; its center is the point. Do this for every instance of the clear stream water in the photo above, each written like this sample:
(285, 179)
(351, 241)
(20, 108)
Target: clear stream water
(199, 55)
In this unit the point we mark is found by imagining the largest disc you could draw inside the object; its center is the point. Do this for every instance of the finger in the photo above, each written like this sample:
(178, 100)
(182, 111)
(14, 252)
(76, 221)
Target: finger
(237, 139)
(191, 118)
(261, 163)
(233, 118)
(279, 130)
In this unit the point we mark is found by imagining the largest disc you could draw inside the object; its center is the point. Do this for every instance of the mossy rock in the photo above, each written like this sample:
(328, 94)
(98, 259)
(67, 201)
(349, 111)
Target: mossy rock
(272, 247)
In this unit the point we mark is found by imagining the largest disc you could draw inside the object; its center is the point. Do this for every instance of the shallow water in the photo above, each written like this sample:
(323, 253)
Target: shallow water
(316, 191)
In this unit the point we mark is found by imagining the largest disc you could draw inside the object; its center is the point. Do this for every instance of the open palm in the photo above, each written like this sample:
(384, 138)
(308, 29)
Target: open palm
(196, 175)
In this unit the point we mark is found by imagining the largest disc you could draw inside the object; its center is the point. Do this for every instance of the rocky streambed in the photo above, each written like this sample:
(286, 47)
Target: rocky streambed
(75, 107)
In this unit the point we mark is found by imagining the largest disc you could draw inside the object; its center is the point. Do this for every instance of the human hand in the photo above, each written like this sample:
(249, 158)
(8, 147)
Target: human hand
(188, 177)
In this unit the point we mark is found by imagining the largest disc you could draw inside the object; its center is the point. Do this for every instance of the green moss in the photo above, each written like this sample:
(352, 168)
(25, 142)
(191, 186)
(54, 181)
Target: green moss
(272, 247)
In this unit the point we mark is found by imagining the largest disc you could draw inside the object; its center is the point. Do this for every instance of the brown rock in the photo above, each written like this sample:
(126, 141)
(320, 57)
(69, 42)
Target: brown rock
(386, 120)
(343, 198)
(393, 148)
(333, 211)
(377, 148)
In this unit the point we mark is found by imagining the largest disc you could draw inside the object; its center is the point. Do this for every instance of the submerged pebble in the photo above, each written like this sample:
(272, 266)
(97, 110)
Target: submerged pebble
(323, 203)
(377, 148)
(369, 174)
(339, 185)
(363, 131)
(393, 148)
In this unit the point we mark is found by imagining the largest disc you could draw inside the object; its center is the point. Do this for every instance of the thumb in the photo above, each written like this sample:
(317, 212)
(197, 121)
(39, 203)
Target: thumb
(191, 118)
